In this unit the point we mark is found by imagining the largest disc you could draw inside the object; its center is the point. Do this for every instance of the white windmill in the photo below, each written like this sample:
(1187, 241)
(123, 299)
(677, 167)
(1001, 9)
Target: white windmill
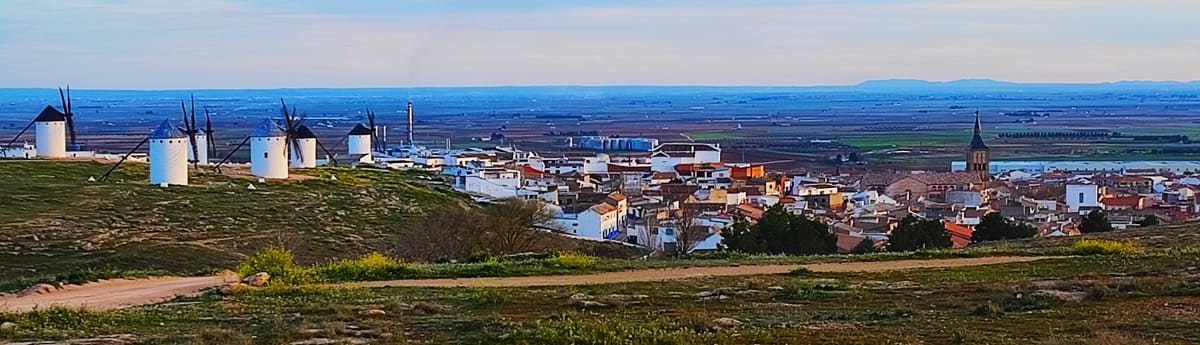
(168, 155)
(268, 151)
(304, 148)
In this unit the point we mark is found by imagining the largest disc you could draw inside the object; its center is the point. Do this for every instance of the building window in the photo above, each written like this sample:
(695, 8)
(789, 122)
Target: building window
(1081, 198)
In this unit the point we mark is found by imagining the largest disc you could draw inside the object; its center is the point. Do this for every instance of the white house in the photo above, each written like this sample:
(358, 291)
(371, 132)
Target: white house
(1080, 197)
(602, 220)
(666, 156)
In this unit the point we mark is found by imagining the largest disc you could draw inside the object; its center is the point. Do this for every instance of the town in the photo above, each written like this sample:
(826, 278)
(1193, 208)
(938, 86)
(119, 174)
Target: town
(678, 197)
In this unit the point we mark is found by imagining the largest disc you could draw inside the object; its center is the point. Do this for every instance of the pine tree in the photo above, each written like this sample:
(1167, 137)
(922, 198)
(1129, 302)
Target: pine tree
(1095, 221)
(994, 227)
(916, 233)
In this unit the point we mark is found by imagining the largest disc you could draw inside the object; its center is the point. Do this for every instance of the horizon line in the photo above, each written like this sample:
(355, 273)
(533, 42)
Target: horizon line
(948, 81)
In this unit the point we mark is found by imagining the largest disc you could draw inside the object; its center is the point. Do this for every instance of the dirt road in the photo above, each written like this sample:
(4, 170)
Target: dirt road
(651, 275)
(120, 293)
(113, 294)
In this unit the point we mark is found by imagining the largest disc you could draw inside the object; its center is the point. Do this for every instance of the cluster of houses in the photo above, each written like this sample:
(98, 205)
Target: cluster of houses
(683, 194)
(641, 198)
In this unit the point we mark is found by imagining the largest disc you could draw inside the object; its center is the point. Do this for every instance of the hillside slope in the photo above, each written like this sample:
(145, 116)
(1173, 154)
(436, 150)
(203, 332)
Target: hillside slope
(53, 220)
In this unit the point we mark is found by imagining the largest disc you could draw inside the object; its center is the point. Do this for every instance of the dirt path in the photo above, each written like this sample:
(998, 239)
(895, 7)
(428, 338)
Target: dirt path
(120, 293)
(113, 294)
(652, 275)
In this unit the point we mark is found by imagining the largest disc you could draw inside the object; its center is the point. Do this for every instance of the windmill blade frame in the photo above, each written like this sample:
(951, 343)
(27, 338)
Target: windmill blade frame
(217, 167)
(374, 130)
(122, 160)
(327, 153)
(187, 129)
(208, 133)
(69, 114)
(18, 136)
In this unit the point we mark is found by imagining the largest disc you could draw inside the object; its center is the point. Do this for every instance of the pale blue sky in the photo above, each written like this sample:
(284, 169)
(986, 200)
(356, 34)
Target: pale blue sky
(399, 43)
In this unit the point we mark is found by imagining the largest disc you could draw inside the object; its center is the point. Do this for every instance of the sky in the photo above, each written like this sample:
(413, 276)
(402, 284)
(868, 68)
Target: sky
(169, 44)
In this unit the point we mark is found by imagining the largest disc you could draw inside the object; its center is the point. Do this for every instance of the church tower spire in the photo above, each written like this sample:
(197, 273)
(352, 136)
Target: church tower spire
(977, 152)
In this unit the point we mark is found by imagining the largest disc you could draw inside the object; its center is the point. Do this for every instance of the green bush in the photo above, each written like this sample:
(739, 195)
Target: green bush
(280, 264)
(479, 257)
(374, 266)
(1103, 247)
(800, 272)
(574, 261)
(808, 292)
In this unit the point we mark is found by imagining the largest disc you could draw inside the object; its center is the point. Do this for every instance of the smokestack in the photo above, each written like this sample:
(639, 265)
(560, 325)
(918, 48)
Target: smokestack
(410, 124)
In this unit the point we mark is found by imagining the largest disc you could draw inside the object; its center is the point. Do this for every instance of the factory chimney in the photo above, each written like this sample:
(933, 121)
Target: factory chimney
(410, 124)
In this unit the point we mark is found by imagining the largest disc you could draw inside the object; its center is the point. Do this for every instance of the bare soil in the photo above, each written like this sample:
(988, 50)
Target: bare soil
(120, 293)
(114, 294)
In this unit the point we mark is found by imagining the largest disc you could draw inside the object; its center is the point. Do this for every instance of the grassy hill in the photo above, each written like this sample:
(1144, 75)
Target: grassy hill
(53, 221)
(1147, 296)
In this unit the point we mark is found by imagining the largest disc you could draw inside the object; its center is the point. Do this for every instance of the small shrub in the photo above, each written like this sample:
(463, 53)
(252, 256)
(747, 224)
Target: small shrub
(1103, 247)
(808, 292)
(374, 266)
(488, 296)
(988, 309)
(219, 336)
(800, 272)
(480, 257)
(492, 268)
(280, 264)
(574, 261)
(718, 255)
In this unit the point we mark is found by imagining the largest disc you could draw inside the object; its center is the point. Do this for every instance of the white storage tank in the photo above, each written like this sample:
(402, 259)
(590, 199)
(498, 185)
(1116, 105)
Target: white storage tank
(168, 155)
(51, 129)
(304, 150)
(359, 141)
(268, 159)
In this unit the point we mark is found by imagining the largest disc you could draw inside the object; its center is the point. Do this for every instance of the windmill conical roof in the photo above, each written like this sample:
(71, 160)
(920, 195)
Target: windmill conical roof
(359, 129)
(268, 128)
(303, 132)
(166, 130)
(49, 114)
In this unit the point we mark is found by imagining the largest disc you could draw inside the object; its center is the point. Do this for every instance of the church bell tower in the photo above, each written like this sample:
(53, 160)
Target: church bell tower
(977, 153)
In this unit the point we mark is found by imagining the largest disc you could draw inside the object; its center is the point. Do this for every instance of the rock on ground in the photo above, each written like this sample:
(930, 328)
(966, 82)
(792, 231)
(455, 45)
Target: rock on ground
(232, 288)
(116, 339)
(37, 290)
(1068, 296)
(257, 279)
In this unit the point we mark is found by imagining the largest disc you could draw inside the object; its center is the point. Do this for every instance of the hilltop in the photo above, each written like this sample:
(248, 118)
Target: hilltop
(53, 221)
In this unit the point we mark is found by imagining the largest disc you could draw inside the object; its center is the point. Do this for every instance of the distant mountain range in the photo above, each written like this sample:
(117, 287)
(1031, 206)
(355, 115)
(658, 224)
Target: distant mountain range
(917, 85)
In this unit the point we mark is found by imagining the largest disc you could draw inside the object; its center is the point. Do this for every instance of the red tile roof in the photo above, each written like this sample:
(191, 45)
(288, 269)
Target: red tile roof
(959, 234)
(1129, 201)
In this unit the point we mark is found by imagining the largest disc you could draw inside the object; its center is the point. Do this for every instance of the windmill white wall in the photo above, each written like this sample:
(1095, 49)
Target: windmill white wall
(359, 144)
(268, 159)
(201, 149)
(168, 156)
(51, 139)
(304, 153)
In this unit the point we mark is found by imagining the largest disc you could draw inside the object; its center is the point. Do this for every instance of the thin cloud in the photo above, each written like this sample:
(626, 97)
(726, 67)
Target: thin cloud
(209, 43)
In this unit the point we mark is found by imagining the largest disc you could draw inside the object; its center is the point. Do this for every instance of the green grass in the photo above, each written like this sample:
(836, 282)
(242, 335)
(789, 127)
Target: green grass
(712, 135)
(906, 140)
(1133, 298)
